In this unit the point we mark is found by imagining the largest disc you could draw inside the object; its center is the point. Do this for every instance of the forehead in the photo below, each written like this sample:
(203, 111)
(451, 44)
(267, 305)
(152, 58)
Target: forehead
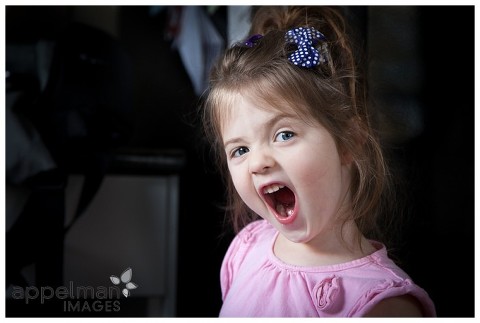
(244, 114)
(229, 104)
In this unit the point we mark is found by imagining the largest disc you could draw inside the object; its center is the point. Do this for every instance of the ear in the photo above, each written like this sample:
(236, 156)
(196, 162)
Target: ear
(356, 137)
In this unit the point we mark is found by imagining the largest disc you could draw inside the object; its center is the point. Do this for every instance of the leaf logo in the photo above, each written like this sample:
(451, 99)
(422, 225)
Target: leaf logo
(125, 278)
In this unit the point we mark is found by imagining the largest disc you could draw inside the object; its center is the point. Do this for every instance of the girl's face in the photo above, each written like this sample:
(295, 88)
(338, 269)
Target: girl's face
(286, 170)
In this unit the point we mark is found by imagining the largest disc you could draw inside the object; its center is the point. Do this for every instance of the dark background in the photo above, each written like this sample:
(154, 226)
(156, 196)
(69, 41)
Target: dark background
(436, 158)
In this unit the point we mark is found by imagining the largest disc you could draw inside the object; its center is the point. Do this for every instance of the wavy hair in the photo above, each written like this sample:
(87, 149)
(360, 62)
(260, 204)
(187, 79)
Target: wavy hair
(333, 94)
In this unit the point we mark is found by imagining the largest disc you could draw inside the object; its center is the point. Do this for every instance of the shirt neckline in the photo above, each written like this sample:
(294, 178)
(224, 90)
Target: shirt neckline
(373, 257)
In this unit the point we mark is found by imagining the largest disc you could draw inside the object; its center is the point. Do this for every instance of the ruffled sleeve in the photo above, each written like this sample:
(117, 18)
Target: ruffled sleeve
(391, 288)
(236, 254)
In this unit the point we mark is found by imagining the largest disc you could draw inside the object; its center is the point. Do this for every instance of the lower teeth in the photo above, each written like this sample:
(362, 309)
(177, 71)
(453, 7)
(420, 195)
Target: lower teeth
(284, 212)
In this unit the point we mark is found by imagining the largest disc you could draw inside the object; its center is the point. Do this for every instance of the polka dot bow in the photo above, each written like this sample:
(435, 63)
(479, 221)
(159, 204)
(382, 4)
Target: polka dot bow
(305, 38)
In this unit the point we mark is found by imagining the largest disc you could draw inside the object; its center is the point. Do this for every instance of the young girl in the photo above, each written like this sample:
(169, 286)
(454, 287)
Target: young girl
(287, 116)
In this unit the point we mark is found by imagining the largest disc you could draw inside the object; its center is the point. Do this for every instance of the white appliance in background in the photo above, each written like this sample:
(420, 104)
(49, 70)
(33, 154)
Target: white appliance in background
(130, 223)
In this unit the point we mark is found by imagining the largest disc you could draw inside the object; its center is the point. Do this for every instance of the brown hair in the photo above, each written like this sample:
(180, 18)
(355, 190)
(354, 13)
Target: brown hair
(332, 94)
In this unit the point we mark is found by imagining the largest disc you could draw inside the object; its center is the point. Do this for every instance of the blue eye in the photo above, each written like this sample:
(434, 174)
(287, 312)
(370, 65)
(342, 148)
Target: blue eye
(240, 151)
(284, 136)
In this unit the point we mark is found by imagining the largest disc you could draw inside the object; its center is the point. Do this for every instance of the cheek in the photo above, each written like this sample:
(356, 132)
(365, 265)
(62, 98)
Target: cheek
(245, 189)
(310, 170)
(321, 176)
(240, 180)
(233, 174)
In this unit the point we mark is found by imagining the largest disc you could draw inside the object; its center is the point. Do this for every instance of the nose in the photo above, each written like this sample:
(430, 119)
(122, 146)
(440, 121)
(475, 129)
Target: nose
(260, 161)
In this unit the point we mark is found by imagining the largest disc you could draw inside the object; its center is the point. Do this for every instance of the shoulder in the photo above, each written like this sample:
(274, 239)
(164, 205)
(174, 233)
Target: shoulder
(384, 289)
(399, 306)
(257, 225)
(251, 242)
(253, 233)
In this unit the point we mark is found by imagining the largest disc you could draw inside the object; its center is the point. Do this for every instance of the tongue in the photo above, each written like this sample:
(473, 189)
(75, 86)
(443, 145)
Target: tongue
(284, 210)
(285, 202)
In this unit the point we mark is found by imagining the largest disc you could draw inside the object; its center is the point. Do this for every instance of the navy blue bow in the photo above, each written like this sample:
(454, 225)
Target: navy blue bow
(305, 38)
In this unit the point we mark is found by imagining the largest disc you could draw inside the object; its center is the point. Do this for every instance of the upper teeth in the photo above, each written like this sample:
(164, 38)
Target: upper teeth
(272, 188)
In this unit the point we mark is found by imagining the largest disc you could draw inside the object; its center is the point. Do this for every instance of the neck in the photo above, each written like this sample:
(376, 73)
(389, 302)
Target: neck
(336, 246)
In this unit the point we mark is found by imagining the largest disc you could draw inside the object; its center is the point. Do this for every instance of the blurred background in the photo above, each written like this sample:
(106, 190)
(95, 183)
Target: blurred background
(106, 168)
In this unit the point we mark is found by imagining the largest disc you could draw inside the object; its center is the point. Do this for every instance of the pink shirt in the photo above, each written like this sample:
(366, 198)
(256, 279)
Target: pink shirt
(257, 284)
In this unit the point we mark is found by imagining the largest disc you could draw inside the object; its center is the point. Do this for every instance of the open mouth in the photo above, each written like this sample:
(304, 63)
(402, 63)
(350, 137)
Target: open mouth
(281, 200)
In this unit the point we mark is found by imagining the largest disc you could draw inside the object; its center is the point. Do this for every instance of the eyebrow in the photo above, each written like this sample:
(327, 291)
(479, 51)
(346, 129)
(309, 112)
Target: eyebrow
(270, 123)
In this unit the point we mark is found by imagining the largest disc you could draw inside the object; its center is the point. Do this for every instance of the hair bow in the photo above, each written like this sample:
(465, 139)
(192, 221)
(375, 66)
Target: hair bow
(306, 54)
